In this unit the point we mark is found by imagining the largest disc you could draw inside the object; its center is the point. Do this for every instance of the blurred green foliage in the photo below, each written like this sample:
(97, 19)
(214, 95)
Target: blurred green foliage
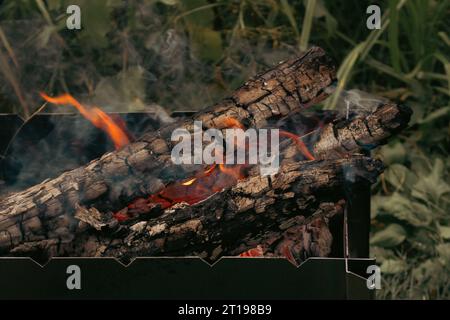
(184, 55)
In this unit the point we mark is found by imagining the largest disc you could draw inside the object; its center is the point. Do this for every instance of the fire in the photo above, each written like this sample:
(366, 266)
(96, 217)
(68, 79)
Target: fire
(203, 185)
(191, 191)
(195, 190)
(254, 252)
(300, 144)
(198, 188)
(115, 129)
(233, 171)
(233, 123)
(207, 172)
(189, 182)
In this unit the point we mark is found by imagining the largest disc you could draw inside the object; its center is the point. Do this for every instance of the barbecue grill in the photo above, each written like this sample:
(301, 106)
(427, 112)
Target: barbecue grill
(341, 275)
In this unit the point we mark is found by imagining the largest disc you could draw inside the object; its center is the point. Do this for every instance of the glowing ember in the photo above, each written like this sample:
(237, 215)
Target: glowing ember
(203, 185)
(114, 128)
(254, 252)
(189, 182)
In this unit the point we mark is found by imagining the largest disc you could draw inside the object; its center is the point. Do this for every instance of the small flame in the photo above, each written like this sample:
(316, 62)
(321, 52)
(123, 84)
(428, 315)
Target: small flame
(300, 144)
(254, 252)
(233, 123)
(233, 171)
(189, 182)
(96, 116)
(209, 170)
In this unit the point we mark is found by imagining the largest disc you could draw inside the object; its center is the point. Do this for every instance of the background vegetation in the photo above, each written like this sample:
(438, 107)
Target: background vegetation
(183, 55)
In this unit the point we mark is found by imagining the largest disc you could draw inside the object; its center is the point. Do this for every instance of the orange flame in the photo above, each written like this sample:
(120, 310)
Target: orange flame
(254, 252)
(96, 116)
(233, 123)
(189, 182)
(300, 144)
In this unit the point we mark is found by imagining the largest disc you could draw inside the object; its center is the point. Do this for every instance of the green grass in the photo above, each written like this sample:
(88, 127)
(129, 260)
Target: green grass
(188, 54)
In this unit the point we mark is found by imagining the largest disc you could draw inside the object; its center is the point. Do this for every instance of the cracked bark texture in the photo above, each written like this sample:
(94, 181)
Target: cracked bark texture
(363, 132)
(256, 208)
(300, 238)
(47, 210)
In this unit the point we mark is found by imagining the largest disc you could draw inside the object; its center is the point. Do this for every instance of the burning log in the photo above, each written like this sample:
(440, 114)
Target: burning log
(297, 240)
(364, 132)
(135, 201)
(145, 167)
(257, 209)
(62, 231)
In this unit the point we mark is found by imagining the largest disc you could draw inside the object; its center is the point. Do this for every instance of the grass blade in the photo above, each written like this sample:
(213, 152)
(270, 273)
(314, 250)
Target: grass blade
(307, 24)
(393, 35)
(287, 10)
(343, 74)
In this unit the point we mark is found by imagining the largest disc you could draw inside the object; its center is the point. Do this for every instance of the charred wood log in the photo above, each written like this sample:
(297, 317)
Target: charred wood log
(256, 208)
(385, 120)
(286, 214)
(298, 240)
(145, 166)
(363, 132)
